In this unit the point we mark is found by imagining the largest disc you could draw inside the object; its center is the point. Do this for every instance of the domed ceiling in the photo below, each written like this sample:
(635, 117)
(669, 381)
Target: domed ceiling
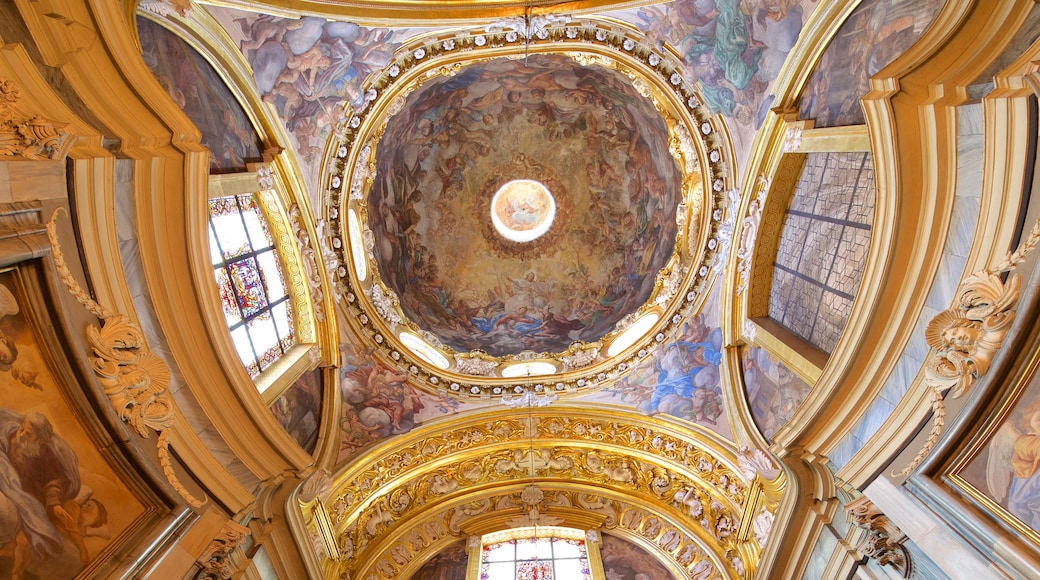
(518, 204)
(487, 278)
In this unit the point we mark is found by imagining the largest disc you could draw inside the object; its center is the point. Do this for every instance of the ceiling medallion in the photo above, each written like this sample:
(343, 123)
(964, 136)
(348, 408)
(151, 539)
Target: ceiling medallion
(486, 267)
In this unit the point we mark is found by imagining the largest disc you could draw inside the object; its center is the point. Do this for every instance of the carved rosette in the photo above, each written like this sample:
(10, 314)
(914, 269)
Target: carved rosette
(26, 134)
(884, 541)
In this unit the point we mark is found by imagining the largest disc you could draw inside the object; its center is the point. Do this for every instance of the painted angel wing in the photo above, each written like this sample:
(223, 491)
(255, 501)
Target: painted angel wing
(998, 466)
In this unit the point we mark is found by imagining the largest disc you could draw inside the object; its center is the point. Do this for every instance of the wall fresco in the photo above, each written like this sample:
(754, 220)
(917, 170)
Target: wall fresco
(774, 393)
(378, 402)
(682, 378)
(199, 91)
(61, 503)
(586, 134)
(626, 561)
(308, 69)
(298, 410)
(449, 564)
(873, 36)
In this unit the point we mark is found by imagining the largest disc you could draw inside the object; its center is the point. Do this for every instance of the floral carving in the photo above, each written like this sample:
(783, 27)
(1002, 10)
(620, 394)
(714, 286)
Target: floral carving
(310, 263)
(27, 135)
(135, 379)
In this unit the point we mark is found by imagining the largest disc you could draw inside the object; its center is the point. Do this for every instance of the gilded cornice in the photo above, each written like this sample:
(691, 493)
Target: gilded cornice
(699, 141)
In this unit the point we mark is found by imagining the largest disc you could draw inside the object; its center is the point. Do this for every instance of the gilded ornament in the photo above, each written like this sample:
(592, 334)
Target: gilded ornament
(28, 135)
(135, 379)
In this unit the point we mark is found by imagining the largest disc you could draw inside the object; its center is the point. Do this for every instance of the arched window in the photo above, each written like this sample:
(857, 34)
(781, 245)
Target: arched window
(253, 292)
(543, 553)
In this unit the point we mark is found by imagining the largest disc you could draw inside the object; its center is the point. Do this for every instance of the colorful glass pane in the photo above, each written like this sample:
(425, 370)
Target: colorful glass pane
(498, 571)
(534, 571)
(249, 286)
(255, 223)
(240, 336)
(228, 302)
(223, 206)
(282, 315)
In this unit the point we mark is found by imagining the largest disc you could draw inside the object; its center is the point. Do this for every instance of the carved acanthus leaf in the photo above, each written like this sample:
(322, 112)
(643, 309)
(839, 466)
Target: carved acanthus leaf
(216, 558)
(753, 461)
(26, 134)
(135, 379)
(968, 335)
(884, 541)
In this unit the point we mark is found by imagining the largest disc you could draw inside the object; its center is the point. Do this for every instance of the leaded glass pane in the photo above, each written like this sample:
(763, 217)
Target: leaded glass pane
(249, 277)
(500, 552)
(245, 348)
(498, 571)
(255, 224)
(567, 549)
(283, 322)
(534, 571)
(532, 548)
(572, 568)
(249, 287)
(215, 257)
(228, 302)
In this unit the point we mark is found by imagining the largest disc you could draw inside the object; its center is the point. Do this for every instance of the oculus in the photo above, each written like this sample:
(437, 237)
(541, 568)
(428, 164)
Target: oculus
(522, 210)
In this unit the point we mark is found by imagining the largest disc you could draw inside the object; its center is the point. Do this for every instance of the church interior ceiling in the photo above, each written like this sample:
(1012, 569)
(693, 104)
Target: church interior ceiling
(576, 268)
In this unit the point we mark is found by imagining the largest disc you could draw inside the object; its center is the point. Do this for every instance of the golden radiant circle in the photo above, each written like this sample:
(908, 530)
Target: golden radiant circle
(522, 210)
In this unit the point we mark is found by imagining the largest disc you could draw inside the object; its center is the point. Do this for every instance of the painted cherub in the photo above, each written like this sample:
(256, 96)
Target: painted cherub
(1013, 465)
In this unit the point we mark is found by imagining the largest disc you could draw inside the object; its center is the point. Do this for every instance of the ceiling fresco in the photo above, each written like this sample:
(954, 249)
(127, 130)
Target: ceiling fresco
(600, 148)
(308, 69)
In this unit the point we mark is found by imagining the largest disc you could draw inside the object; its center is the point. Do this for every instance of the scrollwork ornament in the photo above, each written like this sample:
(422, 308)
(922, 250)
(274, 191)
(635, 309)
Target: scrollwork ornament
(216, 559)
(28, 135)
(135, 379)
(967, 336)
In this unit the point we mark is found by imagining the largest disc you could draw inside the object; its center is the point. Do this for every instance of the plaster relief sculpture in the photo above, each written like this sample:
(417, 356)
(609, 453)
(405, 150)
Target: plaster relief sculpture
(27, 135)
(884, 541)
(216, 559)
(967, 336)
(135, 379)
(748, 235)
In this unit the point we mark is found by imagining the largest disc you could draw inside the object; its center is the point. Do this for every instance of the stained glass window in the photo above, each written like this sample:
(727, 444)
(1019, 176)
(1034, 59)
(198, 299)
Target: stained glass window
(535, 558)
(253, 293)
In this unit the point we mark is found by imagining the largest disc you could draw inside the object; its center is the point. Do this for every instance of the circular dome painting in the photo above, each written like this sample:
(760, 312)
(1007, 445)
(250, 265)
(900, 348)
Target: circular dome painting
(523, 204)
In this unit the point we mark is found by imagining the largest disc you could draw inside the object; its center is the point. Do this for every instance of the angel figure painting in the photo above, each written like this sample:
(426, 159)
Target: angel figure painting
(1007, 470)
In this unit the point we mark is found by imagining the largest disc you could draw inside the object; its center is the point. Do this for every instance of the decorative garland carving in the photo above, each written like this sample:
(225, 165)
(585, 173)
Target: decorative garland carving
(135, 379)
(687, 551)
(166, 7)
(216, 558)
(726, 230)
(967, 336)
(884, 541)
(27, 135)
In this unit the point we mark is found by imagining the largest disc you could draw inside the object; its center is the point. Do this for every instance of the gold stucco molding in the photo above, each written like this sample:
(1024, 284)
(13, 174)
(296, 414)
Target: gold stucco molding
(685, 552)
(135, 379)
